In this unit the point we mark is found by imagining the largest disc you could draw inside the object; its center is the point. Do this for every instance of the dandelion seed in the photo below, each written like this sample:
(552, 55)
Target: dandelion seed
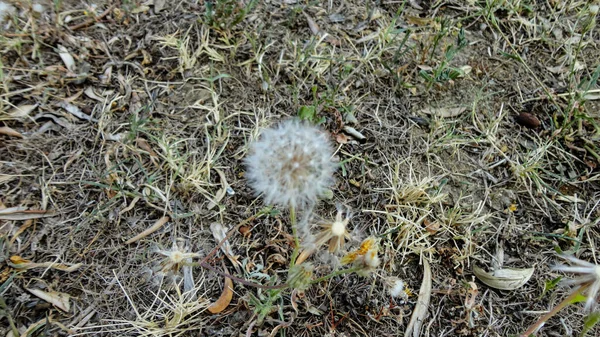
(176, 258)
(589, 277)
(371, 259)
(291, 164)
(336, 232)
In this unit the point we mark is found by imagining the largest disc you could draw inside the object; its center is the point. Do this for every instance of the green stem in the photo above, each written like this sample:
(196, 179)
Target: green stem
(295, 234)
(335, 273)
(532, 329)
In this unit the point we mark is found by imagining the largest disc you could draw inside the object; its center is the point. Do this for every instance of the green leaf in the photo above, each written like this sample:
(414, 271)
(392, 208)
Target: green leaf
(550, 284)
(589, 322)
(578, 299)
(307, 113)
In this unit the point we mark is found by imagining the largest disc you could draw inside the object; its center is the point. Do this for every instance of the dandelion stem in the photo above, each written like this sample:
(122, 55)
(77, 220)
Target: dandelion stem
(295, 234)
(569, 300)
(335, 273)
(237, 279)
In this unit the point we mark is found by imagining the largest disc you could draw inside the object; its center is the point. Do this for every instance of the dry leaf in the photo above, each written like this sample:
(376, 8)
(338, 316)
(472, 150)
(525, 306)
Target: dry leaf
(431, 227)
(314, 28)
(89, 92)
(140, 9)
(591, 96)
(221, 192)
(159, 5)
(144, 145)
(18, 262)
(59, 300)
(157, 225)
(75, 111)
(415, 5)
(443, 112)
(354, 133)
(225, 298)
(219, 232)
(504, 279)
(416, 320)
(66, 57)
(471, 296)
(5, 130)
(341, 138)
(20, 111)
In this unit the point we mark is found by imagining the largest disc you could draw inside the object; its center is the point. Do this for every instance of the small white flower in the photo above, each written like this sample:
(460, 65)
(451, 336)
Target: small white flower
(589, 277)
(291, 164)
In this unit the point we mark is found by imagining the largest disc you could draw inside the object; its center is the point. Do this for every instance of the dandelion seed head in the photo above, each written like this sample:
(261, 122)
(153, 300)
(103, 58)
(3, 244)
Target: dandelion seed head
(588, 276)
(372, 259)
(291, 164)
(338, 228)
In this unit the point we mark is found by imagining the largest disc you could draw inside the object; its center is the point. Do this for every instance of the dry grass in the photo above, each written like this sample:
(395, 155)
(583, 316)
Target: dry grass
(113, 116)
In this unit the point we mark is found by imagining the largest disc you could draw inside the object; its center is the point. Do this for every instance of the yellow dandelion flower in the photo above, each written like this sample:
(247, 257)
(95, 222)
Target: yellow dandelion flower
(365, 254)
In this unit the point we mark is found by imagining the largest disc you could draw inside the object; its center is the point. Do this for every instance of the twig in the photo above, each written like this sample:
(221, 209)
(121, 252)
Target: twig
(566, 94)
(95, 19)
(239, 280)
(158, 224)
(335, 273)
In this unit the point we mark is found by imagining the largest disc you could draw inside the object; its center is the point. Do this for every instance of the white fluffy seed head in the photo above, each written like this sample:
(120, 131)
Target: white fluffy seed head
(338, 228)
(397, 288)
(291, 164)
(371, 259)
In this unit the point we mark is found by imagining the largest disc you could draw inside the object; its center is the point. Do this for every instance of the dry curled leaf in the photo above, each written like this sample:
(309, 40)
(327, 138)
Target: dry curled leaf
(341, 138)
(444, 112)
(504, 279)
(219, 232)
(223, 301)
(19, 112)
(89, 92)
(66, 57)
(18, 262)
(5, 130)
(75, 111)
(221, 192)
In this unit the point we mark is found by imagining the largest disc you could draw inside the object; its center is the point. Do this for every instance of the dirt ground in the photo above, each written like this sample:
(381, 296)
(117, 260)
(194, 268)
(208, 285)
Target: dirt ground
(467, 134)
